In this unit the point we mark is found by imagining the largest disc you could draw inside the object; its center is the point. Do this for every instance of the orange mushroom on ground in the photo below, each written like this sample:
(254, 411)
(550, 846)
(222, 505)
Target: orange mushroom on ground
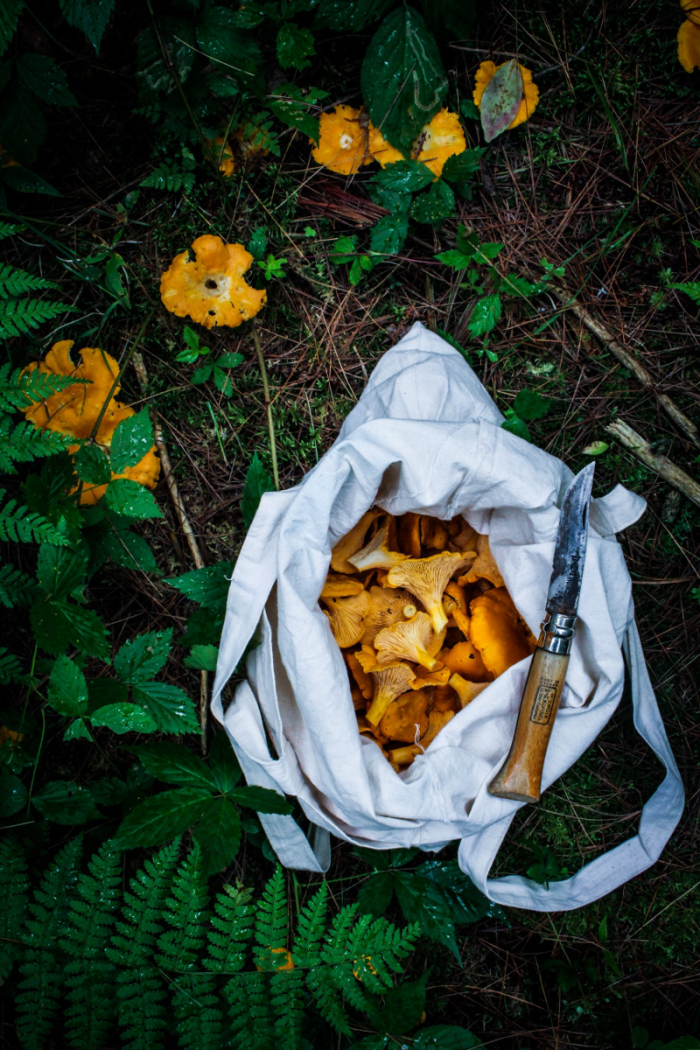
(342, 141)
(206, 283)
(439, 140)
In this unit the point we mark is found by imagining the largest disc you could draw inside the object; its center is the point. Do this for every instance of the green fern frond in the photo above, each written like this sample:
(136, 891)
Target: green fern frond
(10, 667)
(168, 176)
(19, 524)
(231, 930)
(140, 989)
(15, 585)
(7, 229)
(198, 1012)
(271, 922)
(19, 389)
(322, 984)
(41, 981)
(691, 288)
(19, 316)
(187, 911)
(311, 927)
(288, 995)
(250, 1014)
(90, 977)
(23, 443)
(14, 282)
(14, 891)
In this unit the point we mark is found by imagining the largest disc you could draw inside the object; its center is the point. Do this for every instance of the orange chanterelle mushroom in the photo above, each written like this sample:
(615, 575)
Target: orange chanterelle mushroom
(342, 141)
(206, 283)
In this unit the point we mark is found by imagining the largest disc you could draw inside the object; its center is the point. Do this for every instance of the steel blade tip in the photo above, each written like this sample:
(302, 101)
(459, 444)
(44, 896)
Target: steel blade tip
(570, 551)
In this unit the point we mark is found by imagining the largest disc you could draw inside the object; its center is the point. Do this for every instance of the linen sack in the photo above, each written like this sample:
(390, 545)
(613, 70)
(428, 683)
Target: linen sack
(425, 436)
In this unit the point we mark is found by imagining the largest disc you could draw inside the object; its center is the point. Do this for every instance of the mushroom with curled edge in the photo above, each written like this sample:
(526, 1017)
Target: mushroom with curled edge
(376, 554)
(498, 632)
(339, 586)
(414, 640)
(426, 578)
(387, 606)
(352, 542)
(388, 684)
(464, 659)
(483, 567)
(347, 617)
(406, 717)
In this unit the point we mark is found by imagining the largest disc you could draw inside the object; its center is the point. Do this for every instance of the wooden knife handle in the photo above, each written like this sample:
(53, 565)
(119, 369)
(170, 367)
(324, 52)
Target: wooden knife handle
(521, 775)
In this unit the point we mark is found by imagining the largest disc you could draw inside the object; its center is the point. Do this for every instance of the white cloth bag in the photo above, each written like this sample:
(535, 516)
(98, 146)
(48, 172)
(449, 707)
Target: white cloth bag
(425, 436)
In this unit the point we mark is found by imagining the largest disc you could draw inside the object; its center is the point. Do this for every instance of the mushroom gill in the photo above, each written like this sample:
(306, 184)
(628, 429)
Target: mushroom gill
(388, 684)
(376, 554)
(426, 578)
(347, 617)
(413, 640)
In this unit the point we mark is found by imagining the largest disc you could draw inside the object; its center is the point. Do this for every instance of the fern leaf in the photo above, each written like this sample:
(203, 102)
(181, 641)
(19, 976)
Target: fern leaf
(20, 388)
(19, 316)
(311, 927)
(198, 1012)
(187, 911)
(231, 930)
(14, 888)
(691, 288)
(288, 996)
(8, 229)
(168, 176)
(140, 990)
(15, 585)
(10, 667)
(271, 922)
(320, 982)
(41, 971)
(14, 282)
(19, 524)
(90, 977)
(250, 1015)
(23, 443)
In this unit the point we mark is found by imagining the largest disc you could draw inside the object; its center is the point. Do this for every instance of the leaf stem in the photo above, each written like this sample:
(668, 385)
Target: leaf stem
(268, 407)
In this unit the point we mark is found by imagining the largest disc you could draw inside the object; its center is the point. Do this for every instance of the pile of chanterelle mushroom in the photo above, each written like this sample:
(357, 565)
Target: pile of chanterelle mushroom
(424, 620)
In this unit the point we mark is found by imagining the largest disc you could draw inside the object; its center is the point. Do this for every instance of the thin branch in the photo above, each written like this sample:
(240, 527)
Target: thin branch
(641, 448)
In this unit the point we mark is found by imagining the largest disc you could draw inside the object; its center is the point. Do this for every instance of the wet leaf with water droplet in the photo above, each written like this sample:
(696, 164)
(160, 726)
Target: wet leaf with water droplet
(501, 99)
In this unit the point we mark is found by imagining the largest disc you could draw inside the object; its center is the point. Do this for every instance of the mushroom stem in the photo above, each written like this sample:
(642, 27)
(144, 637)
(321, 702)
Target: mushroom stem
(268, 407)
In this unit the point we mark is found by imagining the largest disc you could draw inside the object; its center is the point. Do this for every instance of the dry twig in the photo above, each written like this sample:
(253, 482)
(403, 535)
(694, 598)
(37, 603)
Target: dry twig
(641, 448)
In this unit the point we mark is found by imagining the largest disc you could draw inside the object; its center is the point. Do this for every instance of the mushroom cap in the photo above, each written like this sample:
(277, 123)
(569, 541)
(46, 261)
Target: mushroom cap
(406, 716)
(691, 10)
(531, 93)
(437, 720)
(689, 42)
(352, 542)
(342, 141)
(413, 640)
(426, 578)
(464, 659)
(440, 139)
(387, 606)
(381, 149)
(347, 617)
(210, 288)
(483, 567)
(498, 632)
(403, 756)
(388, 684)
(221, 153)
(376, 554)
(339, 586)
(466, 691)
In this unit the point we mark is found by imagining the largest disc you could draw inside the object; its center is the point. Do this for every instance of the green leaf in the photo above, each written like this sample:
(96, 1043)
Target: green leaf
(389, 234)
(218, 834)
(456, 259)
(596, 448)
(208, 586)
(344, 250)
(263, 800)
(257, 482)
(128, 549)
(403, 1007)
(466, 902)
(59, 624)
(9, 15)
(202, 658)
(132, 439)
(294, 46)
(124, 718)
(64, 802)
(375, 895)
(13, 793)
(60, 570)
(529, 404)
(222, 41)
(140, 658)
(92, 465)
(515, 425)
(175, 764)
(24, 180)
(404, 176)
(446, 1037)
(358, 269)
(460, 169)
(403, 80)
(423, 901)
(68, 692)
(434, 206)
(223, 762)
(469, 110)
(171, 709)
(347, 17)
(163, 817)
(501, 99)
(131, 500)
(485, 314)
(291, 105)
(77, 730)
(89, 16)
(257, 245)
(43, 75)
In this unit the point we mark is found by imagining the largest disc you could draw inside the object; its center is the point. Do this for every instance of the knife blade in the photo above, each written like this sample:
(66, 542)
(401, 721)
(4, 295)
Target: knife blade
(520, 777)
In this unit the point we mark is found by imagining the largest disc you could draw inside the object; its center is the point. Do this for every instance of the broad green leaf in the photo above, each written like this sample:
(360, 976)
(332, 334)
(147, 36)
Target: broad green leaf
(92, 465)
(403, 1007)
(77, 730)
(43, 75)
(403, 80)
(344, 250)
(375, 895)
(515, 425)
(67, 692)
(257, 481)
(501, 99)
(60, 570)
(467, 903)
(596, 448)
(124, 718)
(171, 709)
(175, 764)
(292, 106)
(142, 657)
(404, 176)
(163, 817)
(57, 625)
(461, 166)
(423, 901)
(13, 795)
(363, 264)
(202, 658)
(434, 206)
(257, 245)
(263, 800)
(456, 259)
(218, 834)
(389, 234)
(230, 360)
(204, 627)
(530, 404)
(24, 180)
(132, 439)
(223, 762)
(128, 549)
(349, 17)
(89, 16)
(446, 1037)
(208, 586)
(64, 802)
(294, 46)
(130, 500)
(489, 250)
(9, 16)
(222, 41)
(485, 314)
